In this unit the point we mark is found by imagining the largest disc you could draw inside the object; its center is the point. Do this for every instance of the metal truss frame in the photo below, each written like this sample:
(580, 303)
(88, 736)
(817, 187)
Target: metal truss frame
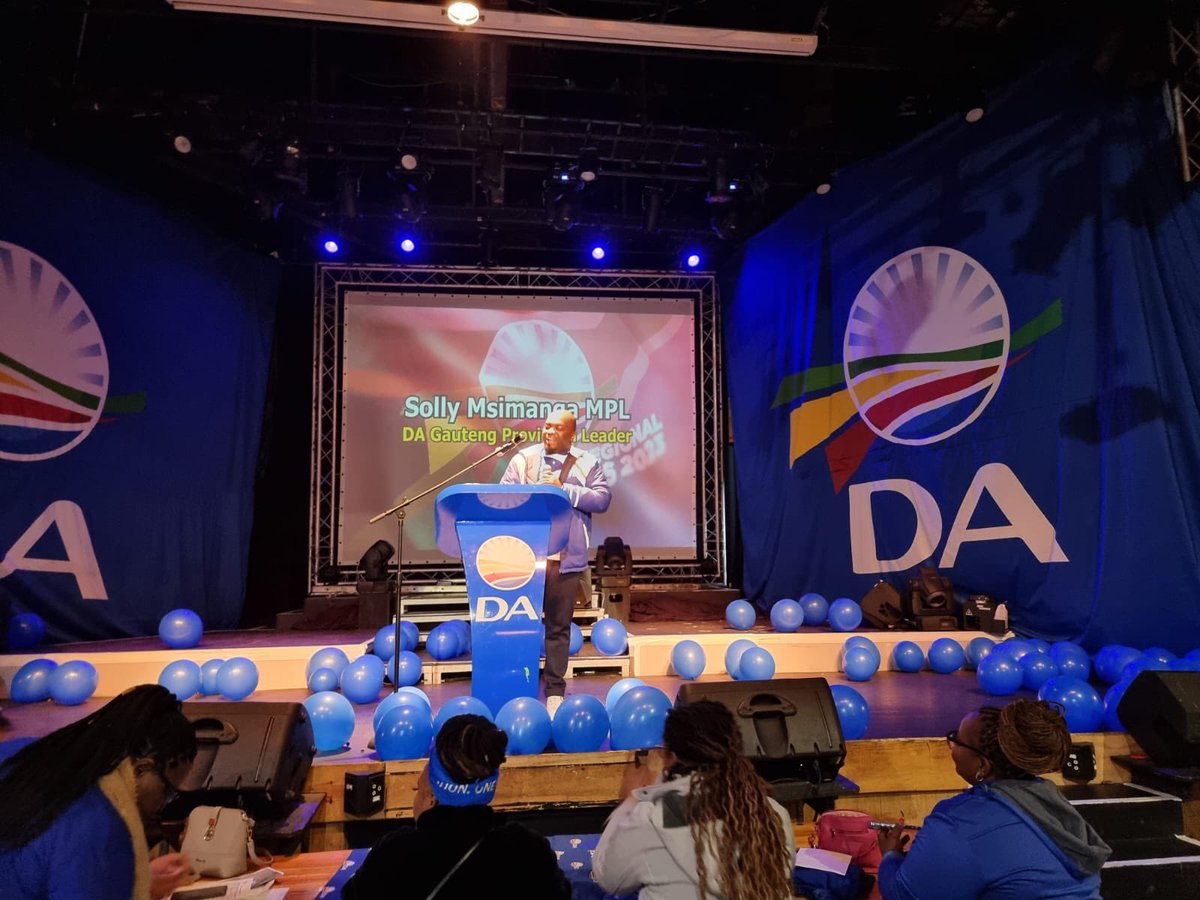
(325, 575)
(1183, 44)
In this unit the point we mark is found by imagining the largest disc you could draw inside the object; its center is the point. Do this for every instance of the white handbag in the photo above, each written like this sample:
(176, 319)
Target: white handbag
(219, 841)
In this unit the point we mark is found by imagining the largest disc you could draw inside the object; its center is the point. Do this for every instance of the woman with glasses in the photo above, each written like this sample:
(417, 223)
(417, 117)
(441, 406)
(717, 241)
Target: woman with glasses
(74, 805)
(1010, 834)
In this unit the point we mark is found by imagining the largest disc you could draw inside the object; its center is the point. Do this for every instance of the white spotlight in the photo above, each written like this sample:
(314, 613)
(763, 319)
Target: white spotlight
(462, 14)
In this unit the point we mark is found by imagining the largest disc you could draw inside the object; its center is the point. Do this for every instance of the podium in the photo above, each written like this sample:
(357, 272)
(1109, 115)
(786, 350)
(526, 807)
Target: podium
(503, 532)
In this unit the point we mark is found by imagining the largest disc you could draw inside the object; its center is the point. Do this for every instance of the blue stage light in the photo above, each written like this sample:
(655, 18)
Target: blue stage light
(330, 246)
(598, 253)
(408, 245)
(692, 260)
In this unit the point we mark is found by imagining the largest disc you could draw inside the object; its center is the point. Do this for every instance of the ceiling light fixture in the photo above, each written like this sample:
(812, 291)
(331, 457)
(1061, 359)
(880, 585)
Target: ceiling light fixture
(462, 14)
(503, 23)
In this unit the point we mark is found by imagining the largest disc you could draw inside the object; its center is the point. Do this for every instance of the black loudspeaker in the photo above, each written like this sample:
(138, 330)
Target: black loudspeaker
(1161, 711)
(883, 606)
(250, 755)
(790, 731)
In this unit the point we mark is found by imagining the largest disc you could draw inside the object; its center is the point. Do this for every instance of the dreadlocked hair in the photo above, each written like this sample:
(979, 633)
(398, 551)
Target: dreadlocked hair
(470, 747)
(752, 850)
(1023, 738)
(42, 779)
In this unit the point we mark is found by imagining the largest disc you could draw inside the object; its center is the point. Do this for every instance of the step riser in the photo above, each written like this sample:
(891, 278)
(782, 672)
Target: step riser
(1174, 881)
(1119, 820)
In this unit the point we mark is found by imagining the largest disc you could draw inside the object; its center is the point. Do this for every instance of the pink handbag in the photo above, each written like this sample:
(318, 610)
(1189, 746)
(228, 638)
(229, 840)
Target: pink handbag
(848, 831)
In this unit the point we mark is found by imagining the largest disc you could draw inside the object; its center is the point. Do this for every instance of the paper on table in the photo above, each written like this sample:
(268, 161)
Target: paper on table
(254, 885)
(823, 860)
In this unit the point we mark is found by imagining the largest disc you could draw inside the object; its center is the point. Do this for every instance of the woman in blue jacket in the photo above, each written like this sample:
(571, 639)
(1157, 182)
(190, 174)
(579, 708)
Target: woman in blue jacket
(73, 805)
(1011, 834)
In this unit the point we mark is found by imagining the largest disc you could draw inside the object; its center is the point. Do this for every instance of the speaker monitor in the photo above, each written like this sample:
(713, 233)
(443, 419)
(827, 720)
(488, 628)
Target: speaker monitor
(253, 755)
(790, 730)
(1161, 711)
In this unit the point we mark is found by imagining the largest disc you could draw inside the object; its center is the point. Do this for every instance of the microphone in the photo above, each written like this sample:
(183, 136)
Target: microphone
(508, 445)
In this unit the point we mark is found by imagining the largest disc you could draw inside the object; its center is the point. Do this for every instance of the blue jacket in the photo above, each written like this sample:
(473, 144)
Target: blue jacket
(586, 486)
(86, 852)
(980, 844)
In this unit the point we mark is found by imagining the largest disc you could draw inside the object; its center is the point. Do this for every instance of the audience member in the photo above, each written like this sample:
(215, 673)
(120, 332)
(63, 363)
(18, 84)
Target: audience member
(707, 829)
(460, 847)
(74, 805)
(1011, 834)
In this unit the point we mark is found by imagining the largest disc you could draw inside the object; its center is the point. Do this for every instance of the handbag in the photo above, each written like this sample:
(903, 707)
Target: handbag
(220, 841)
(848, 831)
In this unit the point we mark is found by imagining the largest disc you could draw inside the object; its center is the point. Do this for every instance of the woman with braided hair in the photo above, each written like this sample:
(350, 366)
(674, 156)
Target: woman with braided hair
(1011, 834)
(707, 829)
(460, 846)
(74, 805)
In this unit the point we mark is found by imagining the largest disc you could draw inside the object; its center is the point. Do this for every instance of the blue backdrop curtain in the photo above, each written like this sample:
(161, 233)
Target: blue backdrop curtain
(133, 362)
(982, 352)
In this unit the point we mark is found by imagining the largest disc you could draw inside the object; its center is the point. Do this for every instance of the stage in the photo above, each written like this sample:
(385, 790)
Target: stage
(901, 765)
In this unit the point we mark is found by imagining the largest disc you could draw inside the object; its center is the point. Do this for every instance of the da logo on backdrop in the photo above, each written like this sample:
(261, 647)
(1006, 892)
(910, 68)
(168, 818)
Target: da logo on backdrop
(53, 365)
(928, 340)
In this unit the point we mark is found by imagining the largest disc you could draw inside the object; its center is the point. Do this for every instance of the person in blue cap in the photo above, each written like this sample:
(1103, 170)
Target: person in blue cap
(460, 847)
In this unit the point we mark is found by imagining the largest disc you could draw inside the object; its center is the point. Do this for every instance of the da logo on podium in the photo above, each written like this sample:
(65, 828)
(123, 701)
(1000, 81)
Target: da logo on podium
(505, 563)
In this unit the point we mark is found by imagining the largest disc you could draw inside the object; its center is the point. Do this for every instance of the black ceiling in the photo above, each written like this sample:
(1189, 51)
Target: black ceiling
(296, 126)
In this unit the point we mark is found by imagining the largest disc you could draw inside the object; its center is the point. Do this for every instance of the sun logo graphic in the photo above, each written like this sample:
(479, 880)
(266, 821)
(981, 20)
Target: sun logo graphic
(505, 562)
(53, 365)
(927, 342)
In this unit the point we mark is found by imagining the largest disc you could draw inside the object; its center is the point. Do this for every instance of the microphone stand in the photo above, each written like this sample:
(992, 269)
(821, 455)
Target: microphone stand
(399, 511)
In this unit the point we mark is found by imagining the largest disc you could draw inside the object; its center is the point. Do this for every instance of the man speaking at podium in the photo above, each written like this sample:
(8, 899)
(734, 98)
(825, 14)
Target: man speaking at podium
(581, 476)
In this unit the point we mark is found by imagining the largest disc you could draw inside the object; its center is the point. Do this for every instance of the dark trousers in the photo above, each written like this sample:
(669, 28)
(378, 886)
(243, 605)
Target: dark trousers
(558, 607)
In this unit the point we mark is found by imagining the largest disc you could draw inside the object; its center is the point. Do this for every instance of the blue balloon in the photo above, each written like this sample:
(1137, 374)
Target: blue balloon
(1140, 664)
(25, 631)
(859, 663)
(1081, 704)
(740, 615)
(687, 659)
(756, 664)
(1112, 699)
(1036, 669)
(323, 680)
(999, 674)
(580, 725)
(576, 640)
(977, 650)
(1182, 664)
(404, 669)
(410, 635)
(858, 640)
(787, 615)
(733, 655)
(327, 658)
(31, 684)
(527, 725)
(181, 678)
(404, 732)
(609, 637)
(384, 645)
(852, 710)
(443, 643)
(1162, 654)
(908, 657)
(946, 655)
(638, 718)
(844, 614)
(237, 678)
(180, 629)
(463, 629)
(208, 676)
(402, 697)
(461, 706)
(332, 719)
(1071, 659)
(617, 691)
(73, 682)
(362, 679)
(1111, 661)
(1193, 655)
(816, 609)
(1038, 645)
